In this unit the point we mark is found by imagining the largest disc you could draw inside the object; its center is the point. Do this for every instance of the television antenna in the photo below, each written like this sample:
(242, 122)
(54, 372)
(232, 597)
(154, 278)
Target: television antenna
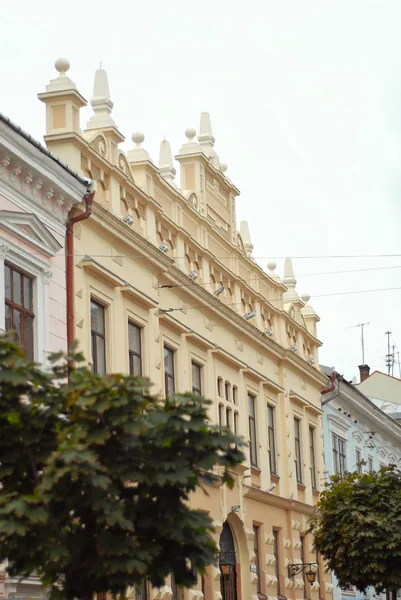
(361, 325)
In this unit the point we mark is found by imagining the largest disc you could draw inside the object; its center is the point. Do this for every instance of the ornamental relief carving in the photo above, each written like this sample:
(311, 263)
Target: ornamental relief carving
(34, 187)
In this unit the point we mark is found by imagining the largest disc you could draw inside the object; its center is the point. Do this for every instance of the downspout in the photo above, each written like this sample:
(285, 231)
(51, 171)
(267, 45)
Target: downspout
(333, 378)
(69, 264)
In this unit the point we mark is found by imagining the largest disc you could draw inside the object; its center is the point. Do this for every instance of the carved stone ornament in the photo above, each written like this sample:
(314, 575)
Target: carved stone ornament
(26, 180)
(47, 276)
(5, 163)
(36, 187)
(4, 249)
(15, 172)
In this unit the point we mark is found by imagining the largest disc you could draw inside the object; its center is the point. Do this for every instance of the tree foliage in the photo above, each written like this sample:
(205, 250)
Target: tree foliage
(357, 528)
(96, 475)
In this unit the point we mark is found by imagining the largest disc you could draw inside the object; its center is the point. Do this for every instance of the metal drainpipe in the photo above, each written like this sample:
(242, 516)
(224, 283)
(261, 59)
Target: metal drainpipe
(69, 264)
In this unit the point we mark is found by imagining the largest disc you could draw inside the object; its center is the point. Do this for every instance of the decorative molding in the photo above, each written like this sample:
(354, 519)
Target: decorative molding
(4, 249)
(97, 271)
(135, 295)
(28, 228)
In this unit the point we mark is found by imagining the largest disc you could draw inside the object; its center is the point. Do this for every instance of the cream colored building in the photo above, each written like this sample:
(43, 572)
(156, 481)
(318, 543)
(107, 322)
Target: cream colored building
(165, 285)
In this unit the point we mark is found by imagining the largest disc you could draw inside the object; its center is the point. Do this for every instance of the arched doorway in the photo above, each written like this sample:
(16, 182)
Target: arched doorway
(227, 564)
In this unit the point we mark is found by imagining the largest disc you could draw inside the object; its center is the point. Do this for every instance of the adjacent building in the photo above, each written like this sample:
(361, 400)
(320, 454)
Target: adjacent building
(358, 436)
(37, 192)
(166, 286)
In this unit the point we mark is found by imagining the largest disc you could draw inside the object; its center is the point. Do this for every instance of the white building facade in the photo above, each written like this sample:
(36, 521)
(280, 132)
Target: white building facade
(358, 436)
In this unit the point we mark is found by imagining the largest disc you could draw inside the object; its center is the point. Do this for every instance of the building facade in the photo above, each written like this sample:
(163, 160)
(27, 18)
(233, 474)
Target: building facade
(358, 436)
(37, 192)
(167, 287)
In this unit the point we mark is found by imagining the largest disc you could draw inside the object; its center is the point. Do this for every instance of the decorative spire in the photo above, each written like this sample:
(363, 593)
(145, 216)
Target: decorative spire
(101, 103)
(190, 147)
(206, 139)
(271, 265)
(289, 281)
(138, 154)
(246, 238)
(62, 82)
(166, 166)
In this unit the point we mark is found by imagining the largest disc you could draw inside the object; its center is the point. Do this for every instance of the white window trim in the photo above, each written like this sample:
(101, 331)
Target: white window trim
(42, 274)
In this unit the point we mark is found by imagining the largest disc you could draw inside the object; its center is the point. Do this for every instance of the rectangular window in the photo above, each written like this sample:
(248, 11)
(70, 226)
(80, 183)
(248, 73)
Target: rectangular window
(227, 391)
(358, 459)
(219, 387)
(370, 464)
(272, 439)
(252, 430)
(134, 349)
(277, 559)
(312, 457)
(141, 591)
(169, 378)
(235, 394)
(196, 378)
(339, 455)
(98, 338)
(221, 415)
(302, 540)
(19, 310)
(256, 532)
(178, 591)
(228, 417)
(298, 464)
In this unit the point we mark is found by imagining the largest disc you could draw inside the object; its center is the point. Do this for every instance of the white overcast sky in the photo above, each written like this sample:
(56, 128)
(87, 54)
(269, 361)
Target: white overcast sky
(305, 101)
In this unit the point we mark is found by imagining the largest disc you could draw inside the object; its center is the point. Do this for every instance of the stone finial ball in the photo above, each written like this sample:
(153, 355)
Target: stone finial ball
(305, 297)
(62, 65)
(138, 137)
(223, 167)
(190, 133)
(271, 265)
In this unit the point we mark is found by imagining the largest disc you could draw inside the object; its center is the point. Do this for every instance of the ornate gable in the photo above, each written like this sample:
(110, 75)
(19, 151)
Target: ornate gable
(28, 228)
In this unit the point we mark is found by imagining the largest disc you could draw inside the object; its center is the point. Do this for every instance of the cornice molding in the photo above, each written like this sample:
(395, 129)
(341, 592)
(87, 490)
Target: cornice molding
(278, 501)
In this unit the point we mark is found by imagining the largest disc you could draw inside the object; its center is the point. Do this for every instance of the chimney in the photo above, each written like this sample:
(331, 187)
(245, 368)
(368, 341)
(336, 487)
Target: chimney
(363, 372)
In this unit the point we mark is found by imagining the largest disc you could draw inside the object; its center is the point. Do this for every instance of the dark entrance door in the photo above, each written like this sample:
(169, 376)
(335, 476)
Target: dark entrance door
(227, 564)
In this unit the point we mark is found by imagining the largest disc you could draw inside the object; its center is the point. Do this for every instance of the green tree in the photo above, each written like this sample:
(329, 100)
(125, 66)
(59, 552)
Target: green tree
(96, 476)
(357, 528)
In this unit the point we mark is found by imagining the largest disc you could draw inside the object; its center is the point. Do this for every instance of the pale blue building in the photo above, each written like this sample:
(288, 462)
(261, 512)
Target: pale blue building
(358, 436)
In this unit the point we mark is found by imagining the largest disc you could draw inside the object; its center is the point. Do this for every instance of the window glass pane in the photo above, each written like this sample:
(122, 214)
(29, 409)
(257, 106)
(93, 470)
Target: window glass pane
(7, 282)
(28, 336)
(27, 293)
(196, 377)
(251, 405)
(100, 356)
(17, 288)
(136, 364)
(17, 325)
(168, 361)
(169, 386)
(97, 317)
(8, 318)
(134, 338)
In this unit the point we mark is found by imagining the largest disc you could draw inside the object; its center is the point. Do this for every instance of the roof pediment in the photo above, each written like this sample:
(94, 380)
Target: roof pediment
(28, 228)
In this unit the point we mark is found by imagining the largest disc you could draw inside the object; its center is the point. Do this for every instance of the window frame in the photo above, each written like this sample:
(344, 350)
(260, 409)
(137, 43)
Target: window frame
(95, 335)
(256, 550)
(339, 458)
(276, 554)
(298, 449)
(197, 365)
(19, 307)
(271, 438)
(312, 453)
(169, 376)
(41, 273)
(358, 461)
(253, 450)
(133, 353)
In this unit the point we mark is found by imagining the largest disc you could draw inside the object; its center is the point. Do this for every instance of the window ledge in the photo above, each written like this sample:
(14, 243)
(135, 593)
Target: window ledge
(255, 469)
(274, 477)
(301, 486)
(315, 492)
